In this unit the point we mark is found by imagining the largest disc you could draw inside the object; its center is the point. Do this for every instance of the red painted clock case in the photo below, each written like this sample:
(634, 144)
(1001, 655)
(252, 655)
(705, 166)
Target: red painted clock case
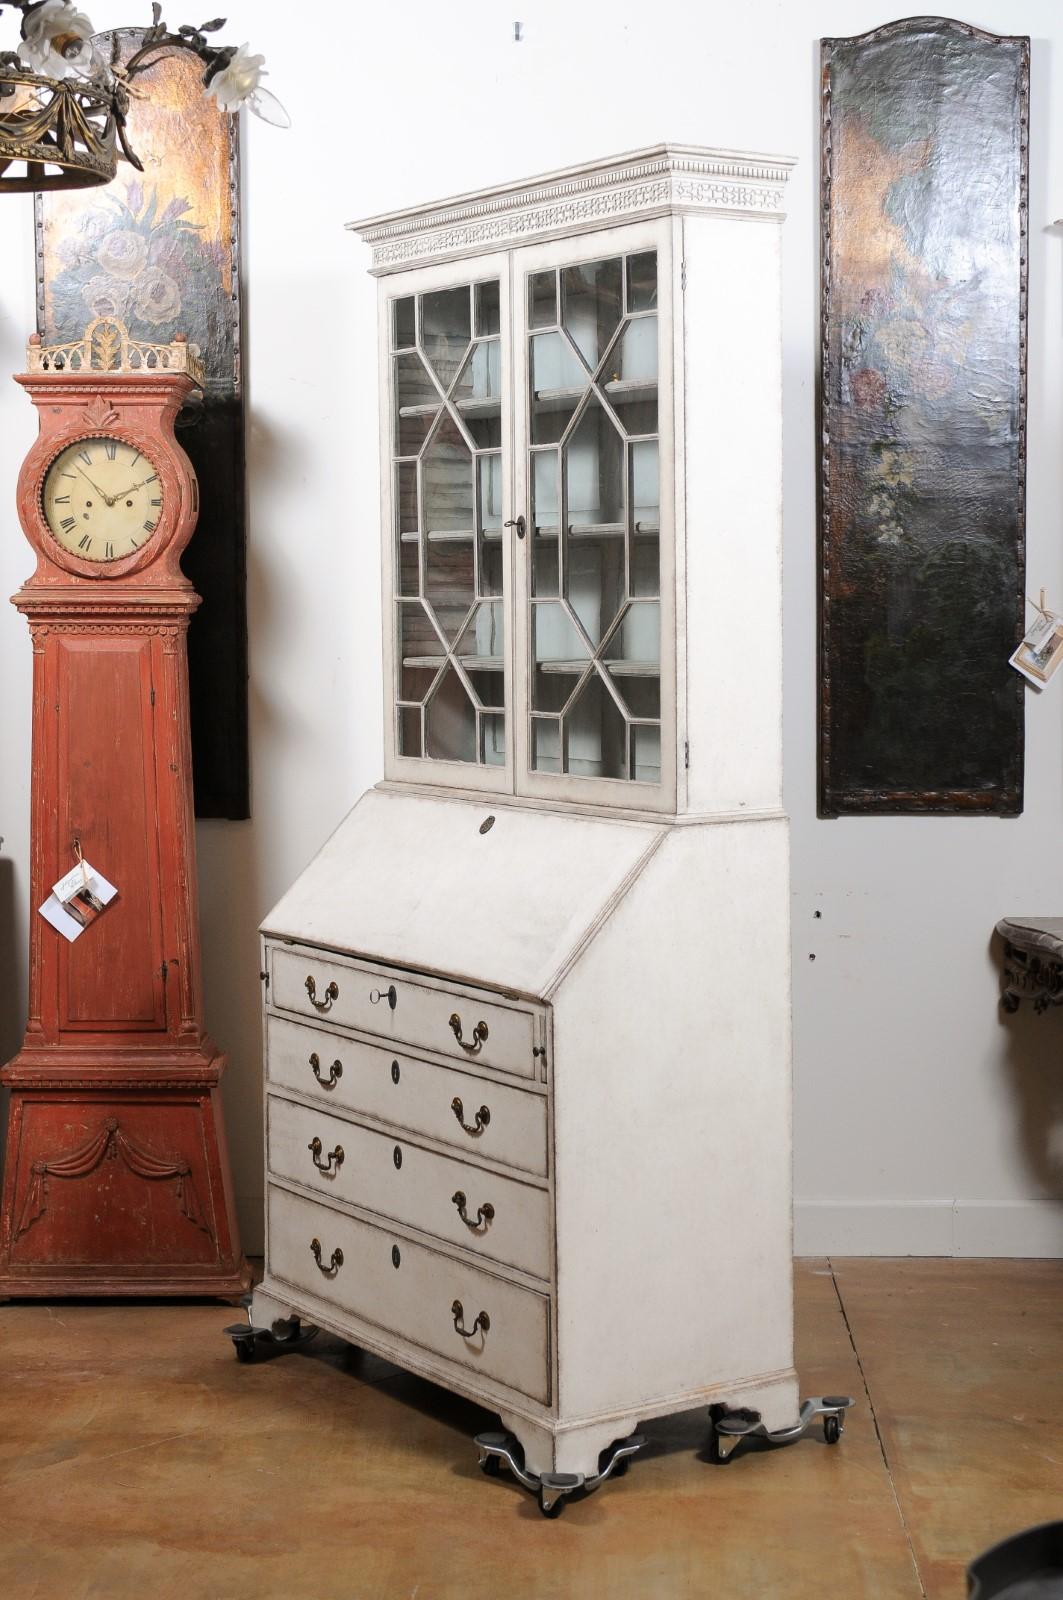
(116, 1175)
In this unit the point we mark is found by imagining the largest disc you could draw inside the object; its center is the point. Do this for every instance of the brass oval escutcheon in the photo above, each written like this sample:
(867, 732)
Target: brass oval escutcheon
(487, 824)
(394, 1072)
(390, 994)
(396, 1156)
(396, 1257)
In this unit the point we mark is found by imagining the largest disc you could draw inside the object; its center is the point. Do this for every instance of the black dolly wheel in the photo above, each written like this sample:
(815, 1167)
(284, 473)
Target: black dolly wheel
(832, 1429)
(491, 1466)
(245, 1349)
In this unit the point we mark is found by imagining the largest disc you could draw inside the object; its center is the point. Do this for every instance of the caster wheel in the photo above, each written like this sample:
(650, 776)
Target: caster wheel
(832, 1429)
(715, 1454)
(245, 1349)
(491, 1466)
(550, 1511)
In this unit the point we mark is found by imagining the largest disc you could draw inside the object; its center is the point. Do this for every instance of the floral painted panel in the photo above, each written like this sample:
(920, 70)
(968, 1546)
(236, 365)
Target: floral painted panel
(160, 250)
(923, 416)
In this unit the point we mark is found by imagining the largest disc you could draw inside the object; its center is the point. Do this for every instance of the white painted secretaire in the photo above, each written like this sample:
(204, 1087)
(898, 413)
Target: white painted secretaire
(527, 1014)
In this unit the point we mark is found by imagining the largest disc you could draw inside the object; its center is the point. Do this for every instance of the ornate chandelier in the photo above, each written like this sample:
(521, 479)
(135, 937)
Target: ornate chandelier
(64, 100)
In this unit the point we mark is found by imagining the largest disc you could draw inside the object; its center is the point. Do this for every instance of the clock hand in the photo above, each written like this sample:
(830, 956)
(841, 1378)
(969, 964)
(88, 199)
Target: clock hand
(96, 487)
(133, 486)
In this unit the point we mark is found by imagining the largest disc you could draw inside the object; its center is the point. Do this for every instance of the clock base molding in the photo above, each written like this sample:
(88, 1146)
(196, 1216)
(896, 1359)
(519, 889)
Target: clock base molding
(117, 1181)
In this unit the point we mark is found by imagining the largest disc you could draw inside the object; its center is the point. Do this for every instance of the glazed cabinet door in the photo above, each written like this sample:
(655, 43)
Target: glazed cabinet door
(594, 637)
(445, 437)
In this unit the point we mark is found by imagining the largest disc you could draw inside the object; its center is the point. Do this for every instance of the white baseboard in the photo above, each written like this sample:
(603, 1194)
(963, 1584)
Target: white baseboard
(928, 1228)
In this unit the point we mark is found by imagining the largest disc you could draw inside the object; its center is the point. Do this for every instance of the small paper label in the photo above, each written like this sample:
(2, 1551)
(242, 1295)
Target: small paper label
(82, 902)
(1041, 651)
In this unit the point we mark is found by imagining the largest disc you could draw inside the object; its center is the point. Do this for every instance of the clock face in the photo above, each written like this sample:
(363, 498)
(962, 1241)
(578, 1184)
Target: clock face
(101, 499)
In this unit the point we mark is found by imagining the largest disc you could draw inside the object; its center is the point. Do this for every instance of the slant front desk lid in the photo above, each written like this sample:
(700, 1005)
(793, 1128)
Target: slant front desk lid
(422, 882)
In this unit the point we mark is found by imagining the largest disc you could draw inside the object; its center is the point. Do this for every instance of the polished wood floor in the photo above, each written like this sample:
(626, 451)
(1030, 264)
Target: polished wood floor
(139, 1458)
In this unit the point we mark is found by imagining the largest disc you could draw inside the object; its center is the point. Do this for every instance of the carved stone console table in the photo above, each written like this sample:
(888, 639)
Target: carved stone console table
(1033, 961)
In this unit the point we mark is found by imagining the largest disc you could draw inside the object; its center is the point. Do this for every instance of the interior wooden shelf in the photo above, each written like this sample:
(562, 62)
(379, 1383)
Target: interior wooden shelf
(490, 407)
(577, 530)
(619, 389)
(618, 669)
(472, 663)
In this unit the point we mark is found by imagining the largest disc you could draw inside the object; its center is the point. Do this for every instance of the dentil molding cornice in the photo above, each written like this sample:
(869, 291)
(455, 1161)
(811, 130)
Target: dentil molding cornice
(655, 182)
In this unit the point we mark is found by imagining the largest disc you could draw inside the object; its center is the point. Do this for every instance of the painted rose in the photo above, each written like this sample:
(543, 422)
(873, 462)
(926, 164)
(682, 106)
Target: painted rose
(868, 387)
(106, 297)
(121, 253)
(169, 252)
(58, 41)
(157, 296)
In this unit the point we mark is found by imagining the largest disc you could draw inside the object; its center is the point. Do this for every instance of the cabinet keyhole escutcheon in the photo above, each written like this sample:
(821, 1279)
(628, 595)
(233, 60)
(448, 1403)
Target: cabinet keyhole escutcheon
(390, 994)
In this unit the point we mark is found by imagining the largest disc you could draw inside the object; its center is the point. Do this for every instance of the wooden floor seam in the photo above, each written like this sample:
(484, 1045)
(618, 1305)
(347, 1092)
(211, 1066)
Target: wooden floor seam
(878, 1431)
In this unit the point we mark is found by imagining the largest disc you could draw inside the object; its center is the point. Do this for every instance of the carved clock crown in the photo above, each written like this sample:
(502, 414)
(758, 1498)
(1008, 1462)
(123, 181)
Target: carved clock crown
(105, 346)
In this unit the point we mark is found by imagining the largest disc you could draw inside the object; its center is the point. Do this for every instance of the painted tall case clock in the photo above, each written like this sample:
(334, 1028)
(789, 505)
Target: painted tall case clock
(116, 1176)
(528, 1012)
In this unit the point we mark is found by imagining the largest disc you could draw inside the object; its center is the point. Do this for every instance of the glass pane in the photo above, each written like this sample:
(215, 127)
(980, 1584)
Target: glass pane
(403, 332)
(560, 654)
(557, 382)
(638, 638)
(406, 527)
(546, 745)
(642, 282)
(488, 308)
(591, 296)
(445, 331)
(483, 643)
(418, 403)
(641, 695)
(542, 299)
(450, 721)
(545, 503)
(646, 754)
(631, 381)
(594, 471)
(594, 582)
(478, 394)
(410, 731)
(596, 738)
(489, 469)
(448, 501)
(645, 491)
(421, 653)
(645, 563)
(493, 740)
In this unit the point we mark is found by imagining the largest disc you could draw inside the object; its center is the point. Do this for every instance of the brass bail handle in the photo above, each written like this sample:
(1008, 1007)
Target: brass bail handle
(483, 1116)
(483, 1321)
(332, 1162)
(479, 1034)
(483, 1218)
(335, 1262)
(331, 993)
(335, 1071)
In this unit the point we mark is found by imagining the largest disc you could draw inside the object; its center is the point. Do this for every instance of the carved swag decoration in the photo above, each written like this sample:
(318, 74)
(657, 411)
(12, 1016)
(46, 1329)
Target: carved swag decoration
(110, 1143)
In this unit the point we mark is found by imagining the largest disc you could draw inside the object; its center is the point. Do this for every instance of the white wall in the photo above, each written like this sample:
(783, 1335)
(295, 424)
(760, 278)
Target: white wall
(923, 1123)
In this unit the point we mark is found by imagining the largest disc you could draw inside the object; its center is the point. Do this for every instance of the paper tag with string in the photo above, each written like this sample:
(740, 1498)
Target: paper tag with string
(78, 898)
(1041, 652)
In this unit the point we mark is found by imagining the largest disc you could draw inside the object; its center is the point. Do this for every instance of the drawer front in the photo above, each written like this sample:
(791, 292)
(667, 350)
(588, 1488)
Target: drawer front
(475, 1115)
(415, 1299)
(508, 1222)
(378, 1001)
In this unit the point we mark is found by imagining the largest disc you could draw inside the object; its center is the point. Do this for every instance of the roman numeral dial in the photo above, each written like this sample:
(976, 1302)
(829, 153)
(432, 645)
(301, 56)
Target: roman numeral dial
(101, 499)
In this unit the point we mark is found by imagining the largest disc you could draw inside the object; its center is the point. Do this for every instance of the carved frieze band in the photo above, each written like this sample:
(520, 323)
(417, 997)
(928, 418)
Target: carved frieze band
(734, 185)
